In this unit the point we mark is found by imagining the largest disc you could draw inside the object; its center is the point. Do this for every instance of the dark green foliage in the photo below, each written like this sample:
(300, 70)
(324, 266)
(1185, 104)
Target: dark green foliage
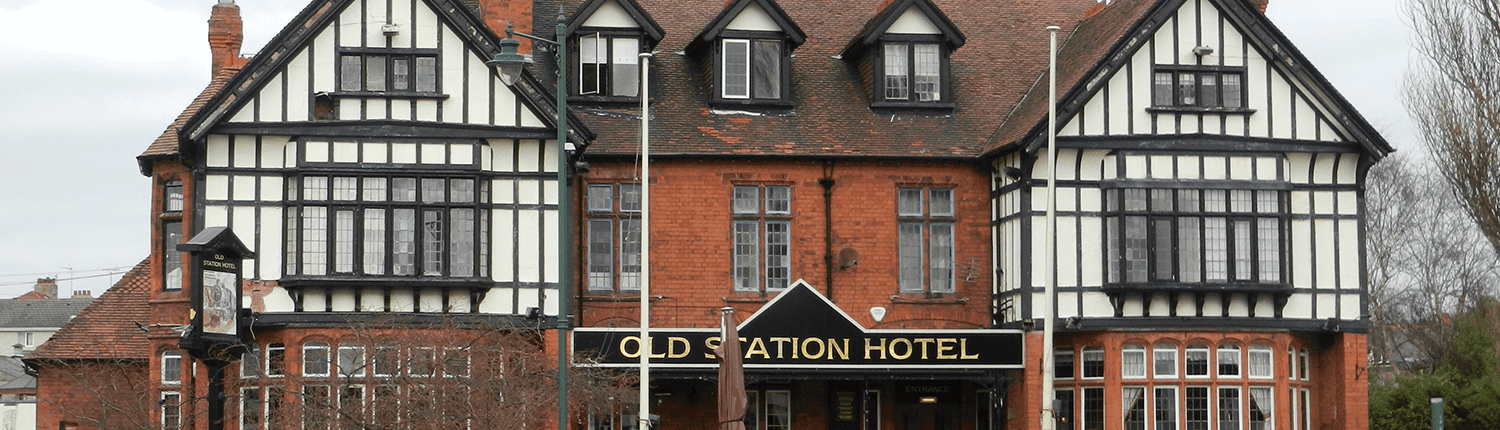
(1467, 377)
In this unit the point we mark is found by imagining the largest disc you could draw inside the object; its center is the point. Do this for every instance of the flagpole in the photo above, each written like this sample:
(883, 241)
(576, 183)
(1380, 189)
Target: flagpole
(645, 400)
(1049, 415)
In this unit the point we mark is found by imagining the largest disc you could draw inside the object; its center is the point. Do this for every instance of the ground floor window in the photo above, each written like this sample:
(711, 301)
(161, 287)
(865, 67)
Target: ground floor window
(171, 410)
(768, 410)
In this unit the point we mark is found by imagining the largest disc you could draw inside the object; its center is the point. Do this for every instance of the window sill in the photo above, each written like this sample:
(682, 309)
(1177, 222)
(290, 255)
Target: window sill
(919, 300)
(170, 216)
(745, 299)
(940, 105)
(1177, 109)
(299, 282)
(602, 296)
(1172, 287)
(751, 103)
(388, 94)
(619, 101)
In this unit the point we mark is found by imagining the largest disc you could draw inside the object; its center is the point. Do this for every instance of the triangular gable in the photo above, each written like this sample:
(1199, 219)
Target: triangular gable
(1093, 56)
(302, 33)
(795, 309)
(586, 14)
(901, 14)
(732, 12)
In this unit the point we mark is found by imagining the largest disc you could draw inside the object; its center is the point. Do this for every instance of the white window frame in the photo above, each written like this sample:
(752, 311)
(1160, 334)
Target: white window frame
(1259, 362)
(351, 360)
(171, 401)
(1156, 404)
(1138, 369)
(1168, 352)
(1084, 358)
(308, 363)
(256, 395)
(1237, 359)
(251, 362)
(448, 354)
(1217, 403)
(1208, 362)
(609, 63)
(275, 368)
(1270, 405)
(171, 364)
(1305, 370)
(1072, 362)
(1146, 409)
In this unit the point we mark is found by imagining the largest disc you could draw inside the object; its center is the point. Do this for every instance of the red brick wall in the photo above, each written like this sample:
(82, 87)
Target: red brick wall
(692, 242)
(94, 395)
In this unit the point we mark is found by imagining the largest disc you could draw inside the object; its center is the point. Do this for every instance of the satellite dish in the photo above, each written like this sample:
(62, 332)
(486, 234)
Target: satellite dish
(848, 257)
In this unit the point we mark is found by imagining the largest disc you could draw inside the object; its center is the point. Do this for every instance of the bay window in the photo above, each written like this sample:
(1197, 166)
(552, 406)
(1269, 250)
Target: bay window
(1195, 236)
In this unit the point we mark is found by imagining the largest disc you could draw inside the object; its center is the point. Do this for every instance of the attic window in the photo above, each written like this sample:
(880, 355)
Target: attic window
(1198, 89)
(608, 65)
(389, 71)
(752, 68)
(912, 72)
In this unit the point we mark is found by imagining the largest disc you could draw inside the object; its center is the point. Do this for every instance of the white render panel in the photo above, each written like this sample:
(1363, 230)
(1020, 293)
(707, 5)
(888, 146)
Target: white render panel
(610, 14)
(1256, 93)
(1281, 111)
(374, 152)
(345, 152)
(324, 65)
(458, 303)
(1135, 167)
(913, 22)
(506, 107)
(1300, 167)
(270, 243)
(1348, 203)
(342, 299)
(1264, 305)
(1091, 199)
(529, 119)
(1189, 123)
(1038, 249)
(1093, 115)
(404, 153)
(244, 228)
(529, 191)
(1161, 167)
(402, 300)
(273, 152)
(529, 156)
(452, 80)
(216, 187)
(461, 154)
(1240, 169)
(434, 153)
(1265, 169)
(1067, 305)
(218, 150)
(1348, 172)
(1090, 169)
(1234, 47)
(1161, 305)
(1214, 168)
(372, 299)
(1067, 199)
(1188, 167)
(1349, 272)
(1092, 238)
(1328, 306)
(278, 301)
(1187, 307)
(271, 100)
(504, 155)
(1133, 307)
(1323, 203)
(245, 113)
(427, 110)
(244, 189)
(375, 108)
(1239, 305)
(315, 151)
(271, 188)
(1307, 120)
(401, 15)
(1067, 164)
(1067, 259)
(1213, 304)
(486, 157)
(297, 90)
(753, 18)
(549, 244)
(532, 297)
(503, 246)
(503, 191)
(528, 259)
(498, 301)
(1301, 246)
(1209, 21)
(1140, 75)
(1097, 304)
(1162, 43)
(426, 19)
(244, 151)
(478, 91)
(430, 300)
(1324, 242)
(348, 22)
(314, 300)
(1118, 89)
(400, 109)
(1350, 306)
(375, 16)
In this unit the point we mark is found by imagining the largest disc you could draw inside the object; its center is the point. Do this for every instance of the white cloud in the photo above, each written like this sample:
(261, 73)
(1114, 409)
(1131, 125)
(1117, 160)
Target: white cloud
(125, 30)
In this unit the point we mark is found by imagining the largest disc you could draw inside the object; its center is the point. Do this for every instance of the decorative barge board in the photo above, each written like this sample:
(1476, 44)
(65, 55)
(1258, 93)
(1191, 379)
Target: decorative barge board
(376, 163)
(1204, 170)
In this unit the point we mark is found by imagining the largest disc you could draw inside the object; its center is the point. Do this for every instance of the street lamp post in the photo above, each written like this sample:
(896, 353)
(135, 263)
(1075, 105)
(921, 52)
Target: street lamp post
(509, 63)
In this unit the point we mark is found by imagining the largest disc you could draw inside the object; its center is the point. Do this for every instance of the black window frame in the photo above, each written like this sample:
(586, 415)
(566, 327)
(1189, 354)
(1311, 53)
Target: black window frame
(1153, 207)
(607, 87)
(1182, 101)
(617, 211)
(753, 39)
(761, 217)
(881, 96)
(390, 56)
(928, 219)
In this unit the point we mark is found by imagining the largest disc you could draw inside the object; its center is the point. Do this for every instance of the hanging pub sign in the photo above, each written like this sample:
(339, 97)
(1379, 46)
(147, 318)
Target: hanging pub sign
(802, 329)
(216, 260)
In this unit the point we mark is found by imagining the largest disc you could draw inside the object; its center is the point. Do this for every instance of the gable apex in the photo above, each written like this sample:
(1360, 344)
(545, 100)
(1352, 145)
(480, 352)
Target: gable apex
(906, 17)
(732, 15)
(597, 12)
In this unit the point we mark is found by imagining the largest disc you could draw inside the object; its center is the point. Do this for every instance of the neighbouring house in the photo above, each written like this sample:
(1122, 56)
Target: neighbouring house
(862, 181)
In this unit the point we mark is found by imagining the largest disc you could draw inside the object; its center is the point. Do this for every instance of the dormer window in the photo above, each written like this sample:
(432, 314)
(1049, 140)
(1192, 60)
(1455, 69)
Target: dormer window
(607, 39)
(913, 72)
(752, 69)
(749, 45)
(389, 71)
(906, 47)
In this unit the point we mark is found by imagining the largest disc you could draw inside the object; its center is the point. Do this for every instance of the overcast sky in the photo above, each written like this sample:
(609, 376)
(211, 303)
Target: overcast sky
(86, 85)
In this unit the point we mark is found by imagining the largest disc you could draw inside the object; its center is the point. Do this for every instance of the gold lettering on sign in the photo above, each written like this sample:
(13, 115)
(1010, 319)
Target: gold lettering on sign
(923, 342)
(711, 343)
(821, 348)
(835, 349)
(899, 341)
(673, 343)
(781, 346)
(878, 348)
(945, 349)
(626, 341)
(757, 346)
(964, 346)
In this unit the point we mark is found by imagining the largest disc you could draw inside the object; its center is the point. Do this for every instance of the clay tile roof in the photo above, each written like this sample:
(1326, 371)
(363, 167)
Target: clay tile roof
(832, 114)
(166, 144)
(1077, 54)
(106, 329)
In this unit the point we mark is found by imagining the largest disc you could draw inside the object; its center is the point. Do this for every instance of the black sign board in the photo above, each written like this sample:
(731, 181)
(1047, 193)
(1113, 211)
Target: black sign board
(216, 260)
(802, 329)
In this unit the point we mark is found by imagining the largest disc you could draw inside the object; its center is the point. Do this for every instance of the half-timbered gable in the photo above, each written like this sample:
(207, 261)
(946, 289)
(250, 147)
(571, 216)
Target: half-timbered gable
(377, 164)
(1205, 170)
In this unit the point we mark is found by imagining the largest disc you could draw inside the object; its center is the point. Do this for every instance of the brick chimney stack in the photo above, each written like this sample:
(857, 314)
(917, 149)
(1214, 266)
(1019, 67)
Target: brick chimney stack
(497, 13)
(1260, 4)
(46, 287)
(225, 34)
(82, 294)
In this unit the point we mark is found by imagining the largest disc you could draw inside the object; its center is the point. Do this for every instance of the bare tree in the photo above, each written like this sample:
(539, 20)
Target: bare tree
(1452, 97)
(445, 375)
(114, 394)
(1426, 262)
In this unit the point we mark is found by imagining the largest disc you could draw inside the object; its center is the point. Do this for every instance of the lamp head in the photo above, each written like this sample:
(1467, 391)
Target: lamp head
(509, 62)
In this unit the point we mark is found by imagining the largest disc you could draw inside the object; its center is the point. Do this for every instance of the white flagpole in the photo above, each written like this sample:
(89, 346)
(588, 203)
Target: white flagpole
(1049, 415)
(645, 400)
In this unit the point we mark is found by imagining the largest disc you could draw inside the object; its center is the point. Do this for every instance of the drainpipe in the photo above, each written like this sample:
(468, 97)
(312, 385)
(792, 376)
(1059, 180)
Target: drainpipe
(828, 259)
